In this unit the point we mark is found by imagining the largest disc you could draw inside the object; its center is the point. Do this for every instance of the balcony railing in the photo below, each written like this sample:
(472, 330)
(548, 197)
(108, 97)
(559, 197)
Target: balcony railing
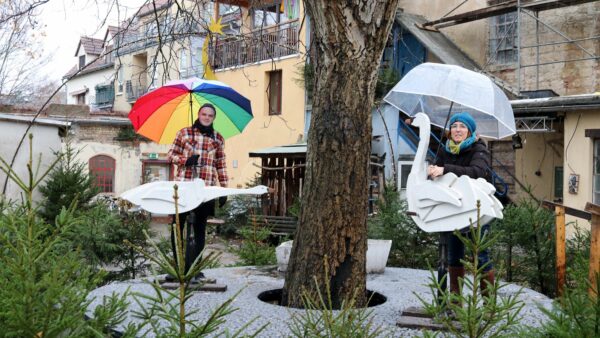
(268, 43)
(134, 91)
(105, 96)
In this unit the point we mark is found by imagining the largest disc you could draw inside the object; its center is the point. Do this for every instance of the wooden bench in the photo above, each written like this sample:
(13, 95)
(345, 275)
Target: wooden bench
(279, 225)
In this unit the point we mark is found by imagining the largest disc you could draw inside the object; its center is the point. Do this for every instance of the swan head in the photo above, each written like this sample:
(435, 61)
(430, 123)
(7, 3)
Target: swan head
(421, 120)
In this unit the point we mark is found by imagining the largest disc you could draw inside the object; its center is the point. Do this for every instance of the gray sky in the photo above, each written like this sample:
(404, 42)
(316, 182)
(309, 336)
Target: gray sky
(65, 21)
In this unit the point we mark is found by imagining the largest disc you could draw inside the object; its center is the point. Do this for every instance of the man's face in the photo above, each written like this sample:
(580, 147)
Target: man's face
(206, 116)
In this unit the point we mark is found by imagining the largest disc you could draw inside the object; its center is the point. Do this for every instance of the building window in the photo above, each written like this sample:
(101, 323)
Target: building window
(596, 188)
(404, 168)
(102, 168)
(269, 15)
(558, 183)
(120, 79)
(274, 92)
(80, 98)
(503, 39)
(81, 61)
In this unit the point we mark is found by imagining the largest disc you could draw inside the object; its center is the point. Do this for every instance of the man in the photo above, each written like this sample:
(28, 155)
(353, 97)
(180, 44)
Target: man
(199, 152)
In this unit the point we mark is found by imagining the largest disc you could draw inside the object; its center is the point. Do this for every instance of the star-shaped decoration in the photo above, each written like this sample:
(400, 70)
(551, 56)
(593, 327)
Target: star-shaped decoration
(216, 27)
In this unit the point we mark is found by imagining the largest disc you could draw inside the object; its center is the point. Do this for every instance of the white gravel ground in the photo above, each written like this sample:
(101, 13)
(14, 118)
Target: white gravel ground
(397, 284)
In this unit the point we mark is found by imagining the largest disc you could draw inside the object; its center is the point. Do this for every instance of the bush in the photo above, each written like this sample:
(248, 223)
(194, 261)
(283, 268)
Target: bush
(255, 248)
(526, 246)
(411, 247)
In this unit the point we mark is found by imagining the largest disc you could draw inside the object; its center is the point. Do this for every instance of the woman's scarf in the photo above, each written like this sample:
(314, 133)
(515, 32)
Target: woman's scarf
(455, 149)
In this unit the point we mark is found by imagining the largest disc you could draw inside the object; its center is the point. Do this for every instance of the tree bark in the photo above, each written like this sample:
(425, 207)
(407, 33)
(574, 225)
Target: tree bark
(331, 242)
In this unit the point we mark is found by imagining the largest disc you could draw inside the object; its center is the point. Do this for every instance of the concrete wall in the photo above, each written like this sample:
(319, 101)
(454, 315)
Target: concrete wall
(579, 158)
(46, 141)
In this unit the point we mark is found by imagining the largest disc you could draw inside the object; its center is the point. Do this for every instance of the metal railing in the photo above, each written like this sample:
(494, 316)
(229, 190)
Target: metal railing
(134, 91)
(264, 44)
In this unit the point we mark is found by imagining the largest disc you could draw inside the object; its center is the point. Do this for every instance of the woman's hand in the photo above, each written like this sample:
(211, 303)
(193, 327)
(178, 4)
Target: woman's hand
(435, 171)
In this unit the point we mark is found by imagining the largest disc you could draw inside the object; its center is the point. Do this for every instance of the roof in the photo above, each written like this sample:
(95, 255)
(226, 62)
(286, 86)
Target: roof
(291, 149)
(109, 36)
(436, 42)
(28, 119)
(91, 46)
(556, 104)
(94, 66)
(149, 7)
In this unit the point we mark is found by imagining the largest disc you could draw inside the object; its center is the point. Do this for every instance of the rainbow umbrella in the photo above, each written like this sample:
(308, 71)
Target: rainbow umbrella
(161, 113)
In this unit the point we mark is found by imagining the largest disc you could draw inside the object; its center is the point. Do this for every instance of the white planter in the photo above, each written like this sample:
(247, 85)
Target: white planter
(283, 252)
(378, 251)
(377, 255)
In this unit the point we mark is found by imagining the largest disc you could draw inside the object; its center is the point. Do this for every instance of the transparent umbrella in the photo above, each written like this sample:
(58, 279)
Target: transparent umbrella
(438, 89)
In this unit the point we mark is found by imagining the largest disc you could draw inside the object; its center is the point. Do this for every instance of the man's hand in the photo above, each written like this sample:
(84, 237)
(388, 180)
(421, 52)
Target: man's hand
(192, 161)
(222, 201)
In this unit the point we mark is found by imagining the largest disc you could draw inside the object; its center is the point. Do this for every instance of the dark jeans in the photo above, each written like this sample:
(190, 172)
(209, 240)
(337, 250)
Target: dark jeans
(198, 226)
(456, 251)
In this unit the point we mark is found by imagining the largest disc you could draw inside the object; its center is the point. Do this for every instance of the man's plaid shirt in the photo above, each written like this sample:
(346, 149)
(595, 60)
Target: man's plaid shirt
(211, 163)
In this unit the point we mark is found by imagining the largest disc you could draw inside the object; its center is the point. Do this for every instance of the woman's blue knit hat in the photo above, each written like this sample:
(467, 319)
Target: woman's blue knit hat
(466, 119)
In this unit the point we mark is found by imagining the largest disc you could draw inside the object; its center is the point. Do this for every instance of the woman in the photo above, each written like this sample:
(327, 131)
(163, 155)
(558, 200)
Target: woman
(464, 154)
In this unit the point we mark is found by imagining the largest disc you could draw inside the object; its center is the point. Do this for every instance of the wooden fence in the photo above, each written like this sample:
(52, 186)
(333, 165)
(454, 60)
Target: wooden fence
(591, 213)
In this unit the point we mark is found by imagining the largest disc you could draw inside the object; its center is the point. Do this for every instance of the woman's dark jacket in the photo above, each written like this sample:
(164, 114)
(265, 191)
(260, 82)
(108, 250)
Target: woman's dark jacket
(473, 161)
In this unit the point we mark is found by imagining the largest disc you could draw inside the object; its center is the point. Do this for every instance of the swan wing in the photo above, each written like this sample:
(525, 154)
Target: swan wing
(432, 193)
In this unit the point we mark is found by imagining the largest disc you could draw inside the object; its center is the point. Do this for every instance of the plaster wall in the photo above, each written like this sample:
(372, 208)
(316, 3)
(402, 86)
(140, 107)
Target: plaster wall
(46, 141)
(88, 81)
(264, 130)
(536, 162)
(100, 140)
(579, 159)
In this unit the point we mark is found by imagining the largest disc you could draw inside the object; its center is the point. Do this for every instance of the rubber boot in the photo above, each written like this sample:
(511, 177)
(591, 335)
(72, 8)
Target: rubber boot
(487, 284)
(455, 273)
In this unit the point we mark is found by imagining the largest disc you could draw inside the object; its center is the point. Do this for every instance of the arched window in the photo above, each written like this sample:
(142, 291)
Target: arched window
(102, 168)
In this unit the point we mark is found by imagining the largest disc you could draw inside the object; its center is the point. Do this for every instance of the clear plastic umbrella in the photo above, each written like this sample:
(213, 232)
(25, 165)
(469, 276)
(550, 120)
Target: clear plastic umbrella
(438, 89)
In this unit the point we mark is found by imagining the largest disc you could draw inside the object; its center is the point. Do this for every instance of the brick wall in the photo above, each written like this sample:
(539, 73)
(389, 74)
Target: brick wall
(570, 78)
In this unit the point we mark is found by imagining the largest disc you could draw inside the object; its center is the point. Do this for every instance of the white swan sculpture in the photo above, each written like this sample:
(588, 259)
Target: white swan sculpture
(448, 202)
(157, 197)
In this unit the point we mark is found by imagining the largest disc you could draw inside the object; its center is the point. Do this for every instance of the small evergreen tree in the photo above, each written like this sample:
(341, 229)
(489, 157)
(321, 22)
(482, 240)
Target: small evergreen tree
(45, 285)
(69, 182)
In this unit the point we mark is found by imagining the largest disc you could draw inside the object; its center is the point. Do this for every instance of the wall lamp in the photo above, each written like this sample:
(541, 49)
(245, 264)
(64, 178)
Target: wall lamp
(516, 142)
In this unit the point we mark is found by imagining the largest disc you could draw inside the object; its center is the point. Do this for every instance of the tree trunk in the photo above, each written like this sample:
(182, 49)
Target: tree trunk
(331, 242)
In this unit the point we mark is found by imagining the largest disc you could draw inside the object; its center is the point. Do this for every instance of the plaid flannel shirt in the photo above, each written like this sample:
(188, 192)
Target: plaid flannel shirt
(211, 163)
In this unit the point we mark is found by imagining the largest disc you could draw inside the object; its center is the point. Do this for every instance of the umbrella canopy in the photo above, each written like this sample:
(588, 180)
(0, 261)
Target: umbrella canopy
(435, 89)
(161, 113)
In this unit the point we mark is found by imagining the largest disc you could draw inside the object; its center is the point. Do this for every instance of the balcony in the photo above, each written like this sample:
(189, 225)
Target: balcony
(265, 44)
(105, 96)
(134, 91)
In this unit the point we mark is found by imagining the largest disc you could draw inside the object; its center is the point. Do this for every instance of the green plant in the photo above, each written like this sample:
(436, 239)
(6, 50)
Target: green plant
(320, 319)
(526, 245)
(578, 257)
(411, 247)
(479, 315)
(68, 182)
(45, 284)
(255, 248)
